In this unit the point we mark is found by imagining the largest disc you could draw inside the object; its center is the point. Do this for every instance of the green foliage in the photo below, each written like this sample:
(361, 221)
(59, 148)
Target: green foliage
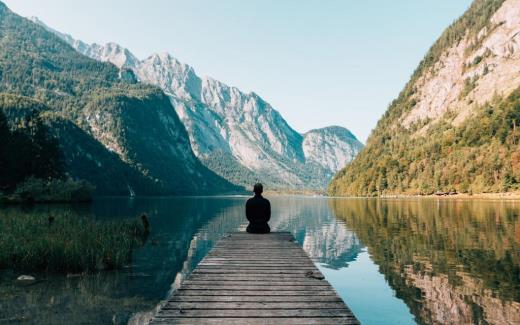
(314, 176)
(66, 243)
(471, 157)
(27, 148)
(469, 85)
(481, 155)
(472, 242)
(474, 19)
(51, 190)
(149, 147)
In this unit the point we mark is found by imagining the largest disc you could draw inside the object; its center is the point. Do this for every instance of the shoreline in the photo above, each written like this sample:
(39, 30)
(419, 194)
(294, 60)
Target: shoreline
(486, 196)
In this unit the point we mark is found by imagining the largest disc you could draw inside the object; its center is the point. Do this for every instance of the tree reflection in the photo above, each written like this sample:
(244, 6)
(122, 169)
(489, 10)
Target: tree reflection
(450, 261)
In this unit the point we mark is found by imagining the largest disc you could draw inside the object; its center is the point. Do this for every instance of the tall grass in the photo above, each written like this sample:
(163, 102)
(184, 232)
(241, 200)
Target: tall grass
(66, 243)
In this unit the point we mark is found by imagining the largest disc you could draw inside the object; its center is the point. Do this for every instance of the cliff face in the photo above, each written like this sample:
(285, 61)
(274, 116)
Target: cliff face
(108, 125)
(469, 73)
(453, 127)
(237, 135)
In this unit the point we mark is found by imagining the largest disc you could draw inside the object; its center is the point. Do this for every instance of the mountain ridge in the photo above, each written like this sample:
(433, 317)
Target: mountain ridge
(101, 111)
(453, 126)
(238, 135)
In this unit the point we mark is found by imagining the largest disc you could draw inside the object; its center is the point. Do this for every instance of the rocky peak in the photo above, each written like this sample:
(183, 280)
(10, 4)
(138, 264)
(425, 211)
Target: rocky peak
(113, 53)
(174, 77)
(470, 72)
(333, 147)
(256, 141)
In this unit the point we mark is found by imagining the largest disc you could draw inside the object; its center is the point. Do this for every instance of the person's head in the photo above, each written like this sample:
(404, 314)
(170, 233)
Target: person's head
(258, 188)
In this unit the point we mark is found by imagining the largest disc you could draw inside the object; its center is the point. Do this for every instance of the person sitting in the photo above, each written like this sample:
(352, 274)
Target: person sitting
(258, 212)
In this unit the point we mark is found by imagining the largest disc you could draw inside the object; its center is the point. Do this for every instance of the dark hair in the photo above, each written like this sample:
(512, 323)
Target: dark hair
(258, 188)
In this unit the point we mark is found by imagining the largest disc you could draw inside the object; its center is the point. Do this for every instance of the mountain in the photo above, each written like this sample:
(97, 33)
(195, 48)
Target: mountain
(453, 127)
(237, 135)
(332, 147)
(122, 136)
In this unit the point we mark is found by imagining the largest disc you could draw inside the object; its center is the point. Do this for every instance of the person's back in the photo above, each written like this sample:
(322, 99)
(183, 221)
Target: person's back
(258, 212)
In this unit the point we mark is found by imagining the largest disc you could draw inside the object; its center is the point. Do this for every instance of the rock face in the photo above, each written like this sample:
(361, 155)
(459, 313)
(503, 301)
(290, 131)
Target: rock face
(237, 135)
(489, 62)
(332, 147)
(121, 136)
(458, 107)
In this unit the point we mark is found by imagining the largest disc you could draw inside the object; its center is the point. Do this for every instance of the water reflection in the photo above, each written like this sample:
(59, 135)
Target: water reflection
(450, 261)
(432, 261)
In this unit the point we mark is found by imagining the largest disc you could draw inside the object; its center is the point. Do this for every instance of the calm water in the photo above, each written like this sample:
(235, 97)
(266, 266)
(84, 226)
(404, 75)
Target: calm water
(421, 261)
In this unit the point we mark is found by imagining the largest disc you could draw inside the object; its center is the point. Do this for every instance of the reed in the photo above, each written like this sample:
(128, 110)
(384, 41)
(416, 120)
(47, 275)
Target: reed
(66, 243)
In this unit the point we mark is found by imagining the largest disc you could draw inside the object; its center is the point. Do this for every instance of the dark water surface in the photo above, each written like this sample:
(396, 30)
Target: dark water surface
(421, 261)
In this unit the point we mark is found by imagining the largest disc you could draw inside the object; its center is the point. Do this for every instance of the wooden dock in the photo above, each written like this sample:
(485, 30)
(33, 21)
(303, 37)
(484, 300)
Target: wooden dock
(255, 279)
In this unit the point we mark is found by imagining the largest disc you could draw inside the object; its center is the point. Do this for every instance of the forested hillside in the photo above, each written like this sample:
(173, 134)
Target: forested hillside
(27, 148)
(454, 126)
(120, 135)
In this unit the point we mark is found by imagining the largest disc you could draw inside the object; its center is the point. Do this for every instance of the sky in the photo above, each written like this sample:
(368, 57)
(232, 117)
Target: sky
(318, 62)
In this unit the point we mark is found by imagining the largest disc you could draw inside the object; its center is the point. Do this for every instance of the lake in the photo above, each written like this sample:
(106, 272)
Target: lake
(393, 261)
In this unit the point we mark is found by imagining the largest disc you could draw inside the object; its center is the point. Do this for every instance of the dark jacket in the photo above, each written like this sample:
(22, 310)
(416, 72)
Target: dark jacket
(258, 212)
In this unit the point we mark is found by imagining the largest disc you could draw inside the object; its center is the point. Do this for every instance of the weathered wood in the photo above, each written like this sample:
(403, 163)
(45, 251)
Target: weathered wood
(241, 287)
(259, 277)
(254, 305)
(271, 272)
(255, 321)
(255, 279)
(179, 298)
(184, 292)
(262, 283)
(255, 313)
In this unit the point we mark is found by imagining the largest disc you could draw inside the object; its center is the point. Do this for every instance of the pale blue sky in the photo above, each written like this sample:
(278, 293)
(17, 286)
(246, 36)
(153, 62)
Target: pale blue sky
(318, 62)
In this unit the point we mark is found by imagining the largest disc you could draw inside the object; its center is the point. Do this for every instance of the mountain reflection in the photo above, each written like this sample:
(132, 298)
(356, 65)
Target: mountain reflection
(450, 261)
(326, 240)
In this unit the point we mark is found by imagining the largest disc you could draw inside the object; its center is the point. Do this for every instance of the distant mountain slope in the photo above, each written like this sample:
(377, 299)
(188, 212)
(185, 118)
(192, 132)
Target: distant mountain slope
(120, 135)
(454, 126)
(332, 147)
(237, 135)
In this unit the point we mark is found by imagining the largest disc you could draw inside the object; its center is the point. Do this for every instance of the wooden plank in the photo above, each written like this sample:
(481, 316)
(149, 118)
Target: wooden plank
(250, 277)
(259, 258)
(185, 292)
(254, 305)
(255, 321)
(255, 283)
(254, 271)
(254, 259)
(240, 287)
(179, 298)
(254, 262)
(255, 279)
(254, 313)
(308, 266)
